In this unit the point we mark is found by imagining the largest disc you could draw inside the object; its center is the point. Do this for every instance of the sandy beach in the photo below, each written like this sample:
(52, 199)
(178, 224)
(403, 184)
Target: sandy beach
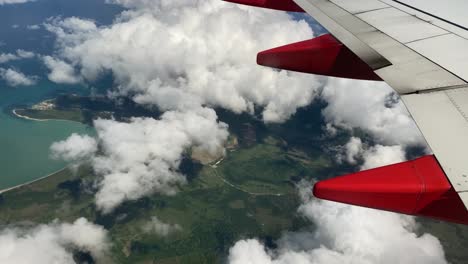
(40, 120)
(30, 182)
(28, 118)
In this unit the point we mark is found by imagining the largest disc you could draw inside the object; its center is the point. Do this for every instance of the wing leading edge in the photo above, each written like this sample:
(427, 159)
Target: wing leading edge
(378, 40)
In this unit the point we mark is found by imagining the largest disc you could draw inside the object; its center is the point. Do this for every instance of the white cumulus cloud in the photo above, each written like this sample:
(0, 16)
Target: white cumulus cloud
(53, 243)
(75, 148)
(8, 2)
(345, 234)
(183, 57)
(373, 107)
(348, 234)
(142, 156)
(16, 78)
(20, 54)
(353, 149)
(379, 155)
(60, 71)
(184, 54)
(371, 156)
(6, 57)
(24, 54)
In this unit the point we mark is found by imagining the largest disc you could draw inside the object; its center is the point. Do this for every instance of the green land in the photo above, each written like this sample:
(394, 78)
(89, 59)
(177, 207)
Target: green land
(83, 109)
(52, 114)
(240, 198)
(250, 193)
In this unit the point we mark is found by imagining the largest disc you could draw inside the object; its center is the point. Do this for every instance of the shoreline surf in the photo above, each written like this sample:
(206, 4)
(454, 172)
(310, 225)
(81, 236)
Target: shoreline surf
(40, 120)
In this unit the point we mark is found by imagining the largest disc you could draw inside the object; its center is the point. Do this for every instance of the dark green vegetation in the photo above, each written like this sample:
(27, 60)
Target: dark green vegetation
(212, 213)
(85, 109)
(454, 238)
(251, 193)
(72, 115)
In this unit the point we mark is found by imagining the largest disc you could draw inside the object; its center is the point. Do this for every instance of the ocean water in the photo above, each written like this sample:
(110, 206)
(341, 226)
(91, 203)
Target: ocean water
(24, 144)
(15, 19)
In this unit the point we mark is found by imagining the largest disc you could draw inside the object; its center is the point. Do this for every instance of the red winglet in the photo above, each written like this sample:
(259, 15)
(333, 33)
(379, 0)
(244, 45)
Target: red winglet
(417, 187)
(284, 5)
(323, 55)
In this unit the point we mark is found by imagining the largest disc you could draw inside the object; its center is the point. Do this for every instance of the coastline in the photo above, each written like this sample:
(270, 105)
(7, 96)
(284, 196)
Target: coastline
(26, 117)
(2, 191)
(31, 182)
(40, 120)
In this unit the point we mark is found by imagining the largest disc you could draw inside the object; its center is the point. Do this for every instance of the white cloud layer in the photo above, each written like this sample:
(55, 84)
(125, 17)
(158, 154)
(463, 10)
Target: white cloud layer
(142, 157)
(20, 54)
(75, 148)
(16, 78)
(8, 2)
(353, 149)
(53, 243)
(23, 54)
(6, 57)
(60, 71)
(373, 107)
(371, 156)
(379, 155)
(345, 234)
(184, 54)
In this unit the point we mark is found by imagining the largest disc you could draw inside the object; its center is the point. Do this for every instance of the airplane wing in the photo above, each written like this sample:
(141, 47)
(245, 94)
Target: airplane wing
(420, 48)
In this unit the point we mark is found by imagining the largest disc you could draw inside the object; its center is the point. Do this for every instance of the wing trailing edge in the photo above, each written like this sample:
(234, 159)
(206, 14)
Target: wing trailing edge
(418, 187)
(323, 55)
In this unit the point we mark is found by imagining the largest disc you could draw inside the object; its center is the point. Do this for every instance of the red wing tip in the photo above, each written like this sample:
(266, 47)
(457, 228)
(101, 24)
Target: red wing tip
(264, 60)
(317, 190)
(323, 55)
(284, 5)
(418, 187)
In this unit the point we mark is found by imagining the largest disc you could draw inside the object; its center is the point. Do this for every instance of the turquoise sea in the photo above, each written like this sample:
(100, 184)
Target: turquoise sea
(24, 144)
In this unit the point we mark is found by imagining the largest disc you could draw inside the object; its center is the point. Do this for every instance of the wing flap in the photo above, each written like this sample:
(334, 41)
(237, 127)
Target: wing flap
(442, 117)
(405, 70)
(449, 51)
(345, 34)
(360, 6)
(448, 14)
(399, 25)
